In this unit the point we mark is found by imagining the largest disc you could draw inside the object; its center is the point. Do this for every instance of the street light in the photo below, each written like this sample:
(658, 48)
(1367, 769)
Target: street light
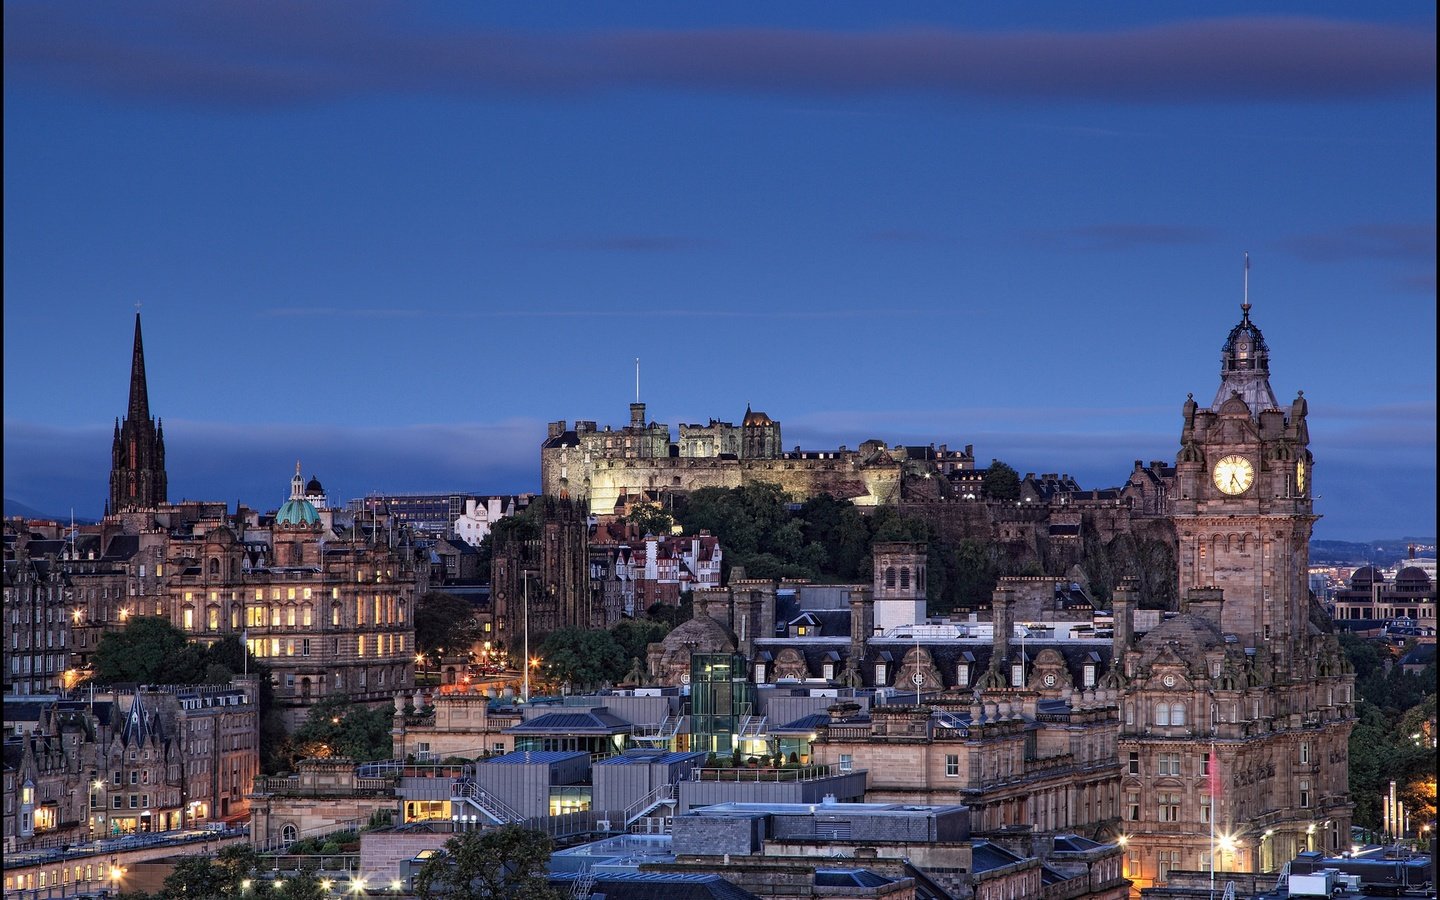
(525, 581)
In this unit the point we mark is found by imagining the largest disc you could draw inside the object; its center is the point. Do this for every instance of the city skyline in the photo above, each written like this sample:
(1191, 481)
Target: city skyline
(1021, 230)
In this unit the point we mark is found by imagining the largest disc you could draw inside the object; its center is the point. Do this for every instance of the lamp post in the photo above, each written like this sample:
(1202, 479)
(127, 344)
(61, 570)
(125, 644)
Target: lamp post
(525, 591)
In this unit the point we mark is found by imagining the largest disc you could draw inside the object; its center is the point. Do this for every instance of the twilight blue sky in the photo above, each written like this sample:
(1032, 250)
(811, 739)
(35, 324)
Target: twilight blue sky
(393, 240)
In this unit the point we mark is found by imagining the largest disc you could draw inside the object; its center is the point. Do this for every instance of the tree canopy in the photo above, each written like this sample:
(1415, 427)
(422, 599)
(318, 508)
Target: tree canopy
(507, 862)
(1001, 482)
(336, 727)
(444, 620)
(150, 650)
(583, 657)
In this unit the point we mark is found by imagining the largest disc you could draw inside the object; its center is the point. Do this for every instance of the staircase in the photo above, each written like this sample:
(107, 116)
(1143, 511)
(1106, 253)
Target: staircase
(584, 885)
(495, 809)
(659, 734)
(751, 726)
(664, 795)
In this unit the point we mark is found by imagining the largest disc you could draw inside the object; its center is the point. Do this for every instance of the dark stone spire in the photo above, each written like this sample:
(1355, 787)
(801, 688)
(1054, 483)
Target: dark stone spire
(139, 397)
(137, 466)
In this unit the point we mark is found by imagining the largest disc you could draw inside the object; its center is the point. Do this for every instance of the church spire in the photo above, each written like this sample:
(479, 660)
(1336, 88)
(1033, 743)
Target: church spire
(137, 466)
(139, 397)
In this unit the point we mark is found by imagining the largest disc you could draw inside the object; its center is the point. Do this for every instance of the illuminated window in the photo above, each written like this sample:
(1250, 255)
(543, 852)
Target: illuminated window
(213, 618)
(305, 614)
(290, 617)
(289, 593)
(189, 618)
(360, 645)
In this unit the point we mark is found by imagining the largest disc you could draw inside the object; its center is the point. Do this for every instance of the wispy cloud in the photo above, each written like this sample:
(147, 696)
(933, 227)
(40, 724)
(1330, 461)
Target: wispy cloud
(267, 53)
(339, 312)
(1402, 241)
(1117, 236)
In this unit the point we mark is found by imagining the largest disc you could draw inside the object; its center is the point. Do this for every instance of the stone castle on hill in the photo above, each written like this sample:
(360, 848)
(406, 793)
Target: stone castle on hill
(1054, 525)
(606, 466)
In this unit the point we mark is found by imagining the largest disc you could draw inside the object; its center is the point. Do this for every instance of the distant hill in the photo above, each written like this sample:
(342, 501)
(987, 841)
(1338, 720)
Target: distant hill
(16, 508)
(1384, 552)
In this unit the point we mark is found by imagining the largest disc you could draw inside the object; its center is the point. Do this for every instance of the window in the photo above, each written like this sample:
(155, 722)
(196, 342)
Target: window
(1017, 675)
(847, 762)
(1205, 764)
(828, 671)
(952, 765)
(305, 617)
(880, 673)
(116, 801)
(1132, 807)
(1169, 764)
(1304, 793)
(335, 614)
(304, 646)
(189, 617)
(1167, 860)
(1169, 807)
(1162, 714)
(1205, 809)
(1304, 753)
(1134, 762)
(134, 777)
(360, 645)
(275, 616)
(290, 617)
(134, 801)
(1088, 676)
(962, 675)
(1177, 714)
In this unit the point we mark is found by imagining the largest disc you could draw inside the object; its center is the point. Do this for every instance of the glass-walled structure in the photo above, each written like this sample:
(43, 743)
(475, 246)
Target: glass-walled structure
(721, 698)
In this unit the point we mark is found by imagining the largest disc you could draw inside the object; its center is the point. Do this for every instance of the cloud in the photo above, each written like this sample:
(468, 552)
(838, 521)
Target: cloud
(1406, 242)
(257, 54)
(1122, 236)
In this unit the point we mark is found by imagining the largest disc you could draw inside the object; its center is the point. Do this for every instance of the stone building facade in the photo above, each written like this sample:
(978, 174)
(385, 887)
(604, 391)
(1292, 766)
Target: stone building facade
(1238, 711)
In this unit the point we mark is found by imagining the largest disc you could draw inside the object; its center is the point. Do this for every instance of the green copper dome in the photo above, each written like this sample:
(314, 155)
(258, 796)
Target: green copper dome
(297, 513)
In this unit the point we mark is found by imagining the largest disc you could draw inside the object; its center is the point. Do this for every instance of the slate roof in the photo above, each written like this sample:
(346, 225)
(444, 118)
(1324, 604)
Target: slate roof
(533, 757)
(850, 878)
(585, 721)
(1074, 843)
(660, 886)
(986, 856)
(651, 758)
(122, 547)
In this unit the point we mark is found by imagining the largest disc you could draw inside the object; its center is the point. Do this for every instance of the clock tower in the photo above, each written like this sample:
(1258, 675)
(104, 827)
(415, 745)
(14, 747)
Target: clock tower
(1243, 514)
(1237, 711)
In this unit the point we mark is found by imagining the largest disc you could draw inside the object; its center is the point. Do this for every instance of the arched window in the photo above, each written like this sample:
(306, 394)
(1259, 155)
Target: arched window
(214, 567)
(400, 611)
(905, 578)
(305, 688)
(334, 614)
(890, 577)
(1177, 714)
(289, 834)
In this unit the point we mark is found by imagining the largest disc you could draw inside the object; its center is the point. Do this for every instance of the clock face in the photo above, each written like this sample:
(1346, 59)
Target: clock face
(1234, 474)
(1300, 475)
(1050, 680)
(1169, 680)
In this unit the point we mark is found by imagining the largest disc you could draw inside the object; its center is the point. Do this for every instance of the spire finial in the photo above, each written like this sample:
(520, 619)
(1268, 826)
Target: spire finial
(1245, 305)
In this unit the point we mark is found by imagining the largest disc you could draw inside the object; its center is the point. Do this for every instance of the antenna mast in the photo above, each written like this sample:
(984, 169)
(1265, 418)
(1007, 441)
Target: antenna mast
(637, 379)
(1245, 306)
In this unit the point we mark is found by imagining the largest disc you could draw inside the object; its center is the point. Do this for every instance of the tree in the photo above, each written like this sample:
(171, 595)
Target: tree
(444, 620)
(1001, 482)
(504, 863)
(149, 650)
(636, 635)
(335, 727)
(650, 518)
(583, 657)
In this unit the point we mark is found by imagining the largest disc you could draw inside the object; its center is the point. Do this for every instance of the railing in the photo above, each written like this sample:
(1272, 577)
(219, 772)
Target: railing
(664, 731)
(289, 785)
(752, 726)
(764, 773)
(495, 808)
(665, 793)
(325, 863)
(278, 842)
